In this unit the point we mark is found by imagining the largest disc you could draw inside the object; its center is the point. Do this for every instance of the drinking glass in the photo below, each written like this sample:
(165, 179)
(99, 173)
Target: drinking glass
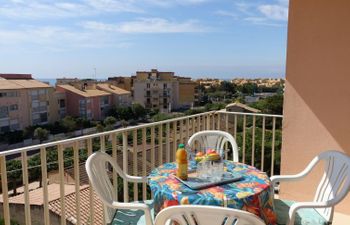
(217, 170)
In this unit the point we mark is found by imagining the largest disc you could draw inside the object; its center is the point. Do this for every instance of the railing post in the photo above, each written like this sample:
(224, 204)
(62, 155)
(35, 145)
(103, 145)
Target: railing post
(219, 121)
(61, 175)
(4, 186)
(253, 142)
(26, 188)
(263, 144)
(244, 131)
(153, 147)
(44, 183)
(134, 163)
(174, 139)
(167, 141)
(273, 145)
(114, 156)
(125, 166)
(187, 130)
(160, 144)
(77, 181)
(144, 168)
(91, 192)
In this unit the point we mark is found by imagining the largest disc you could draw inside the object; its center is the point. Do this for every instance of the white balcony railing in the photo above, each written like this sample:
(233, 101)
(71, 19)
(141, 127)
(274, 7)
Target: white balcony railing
(138, 149)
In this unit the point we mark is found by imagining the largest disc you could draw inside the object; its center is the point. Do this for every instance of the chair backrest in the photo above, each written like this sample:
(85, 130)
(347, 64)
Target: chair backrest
(214, 139)
(96, 168)
(335, 183)
(206, 215)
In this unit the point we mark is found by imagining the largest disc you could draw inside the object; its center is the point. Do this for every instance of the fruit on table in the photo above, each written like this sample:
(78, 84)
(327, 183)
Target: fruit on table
(209, 151)
(213, 156)
(199, 158)
(200, 154)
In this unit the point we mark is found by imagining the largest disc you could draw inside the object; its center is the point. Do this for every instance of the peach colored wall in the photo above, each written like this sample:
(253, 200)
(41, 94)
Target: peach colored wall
(317, 97)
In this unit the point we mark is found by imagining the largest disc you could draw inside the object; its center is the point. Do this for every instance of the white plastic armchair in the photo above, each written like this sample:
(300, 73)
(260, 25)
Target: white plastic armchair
(333, 187)
(206, 215)
(100, 181)
(215, 139)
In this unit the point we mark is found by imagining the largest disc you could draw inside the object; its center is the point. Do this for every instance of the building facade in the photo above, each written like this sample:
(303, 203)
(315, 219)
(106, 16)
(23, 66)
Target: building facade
(25, 102)
(86, 102)
(163, 91)
(92, 100)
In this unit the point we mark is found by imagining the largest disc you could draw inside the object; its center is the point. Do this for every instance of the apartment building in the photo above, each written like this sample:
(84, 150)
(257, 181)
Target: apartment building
(163, 90)
(120, 97)
(25, 102)
(92, 100)
(125, 83)
(86, 101)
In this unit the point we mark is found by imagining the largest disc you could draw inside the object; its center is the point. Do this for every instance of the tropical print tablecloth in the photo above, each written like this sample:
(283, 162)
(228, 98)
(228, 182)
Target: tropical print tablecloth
(252, 193)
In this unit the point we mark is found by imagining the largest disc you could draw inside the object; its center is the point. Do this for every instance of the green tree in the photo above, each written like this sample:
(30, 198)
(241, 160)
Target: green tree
(41, 134)
(69, 123)
(124, 123)
(138, 110)
(109, 122)
(248, 88)
(99, 127)
(270, 105)
(228, 87)
(14, 174)
(124, 113)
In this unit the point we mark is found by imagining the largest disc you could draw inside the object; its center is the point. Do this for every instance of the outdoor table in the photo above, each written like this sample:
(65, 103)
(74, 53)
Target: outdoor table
(252, 193)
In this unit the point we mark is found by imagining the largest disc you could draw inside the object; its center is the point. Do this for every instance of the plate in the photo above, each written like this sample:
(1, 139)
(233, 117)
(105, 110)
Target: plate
(196, 183)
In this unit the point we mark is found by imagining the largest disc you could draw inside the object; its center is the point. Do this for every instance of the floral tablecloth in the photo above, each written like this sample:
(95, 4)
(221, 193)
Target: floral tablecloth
(252, 193)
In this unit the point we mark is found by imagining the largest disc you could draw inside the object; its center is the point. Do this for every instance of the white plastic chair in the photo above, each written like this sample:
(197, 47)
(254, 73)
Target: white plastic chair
(100, 181)
(206, 215)
(333, 187)
(214, 139)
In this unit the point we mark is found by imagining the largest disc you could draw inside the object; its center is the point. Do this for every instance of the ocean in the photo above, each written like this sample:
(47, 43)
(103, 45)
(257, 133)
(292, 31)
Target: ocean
(52, 82)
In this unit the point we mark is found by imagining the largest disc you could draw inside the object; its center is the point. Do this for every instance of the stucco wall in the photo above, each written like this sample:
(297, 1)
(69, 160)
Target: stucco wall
(317, 97)
(17, 214)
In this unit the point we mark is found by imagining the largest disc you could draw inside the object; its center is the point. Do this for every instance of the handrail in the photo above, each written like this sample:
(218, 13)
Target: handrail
(250, 114)
(81, 138)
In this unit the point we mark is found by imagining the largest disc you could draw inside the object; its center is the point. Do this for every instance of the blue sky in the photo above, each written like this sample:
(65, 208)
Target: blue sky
(197, 38)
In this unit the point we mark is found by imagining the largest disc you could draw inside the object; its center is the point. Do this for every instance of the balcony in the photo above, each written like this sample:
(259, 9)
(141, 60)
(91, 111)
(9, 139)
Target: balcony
(56, 190)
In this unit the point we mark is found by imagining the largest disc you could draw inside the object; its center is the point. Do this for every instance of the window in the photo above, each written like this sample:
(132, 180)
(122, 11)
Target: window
(4, 112)
(43, 117)
(4, 126)
(62, 103)
(9, 94)
(14, 125)
(13, 107)
(148, 85)
(104, 100)
(35, 104)
(42, 91)
(165, 86)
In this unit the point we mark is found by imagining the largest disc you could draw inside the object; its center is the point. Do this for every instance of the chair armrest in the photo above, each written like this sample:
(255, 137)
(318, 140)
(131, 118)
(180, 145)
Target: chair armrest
(298, 176)
(136, 179)
(299, 205)
(279, 178)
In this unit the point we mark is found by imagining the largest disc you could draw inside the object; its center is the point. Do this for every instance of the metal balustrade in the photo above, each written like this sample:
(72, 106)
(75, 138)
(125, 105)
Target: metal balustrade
(139, 149)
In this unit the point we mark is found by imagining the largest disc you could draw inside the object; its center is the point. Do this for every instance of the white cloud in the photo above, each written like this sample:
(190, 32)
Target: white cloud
(169, 3)
(226, 13)
(148, 25)
(275, 12)
(51, 37)
(114, 5)
(64, 9)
